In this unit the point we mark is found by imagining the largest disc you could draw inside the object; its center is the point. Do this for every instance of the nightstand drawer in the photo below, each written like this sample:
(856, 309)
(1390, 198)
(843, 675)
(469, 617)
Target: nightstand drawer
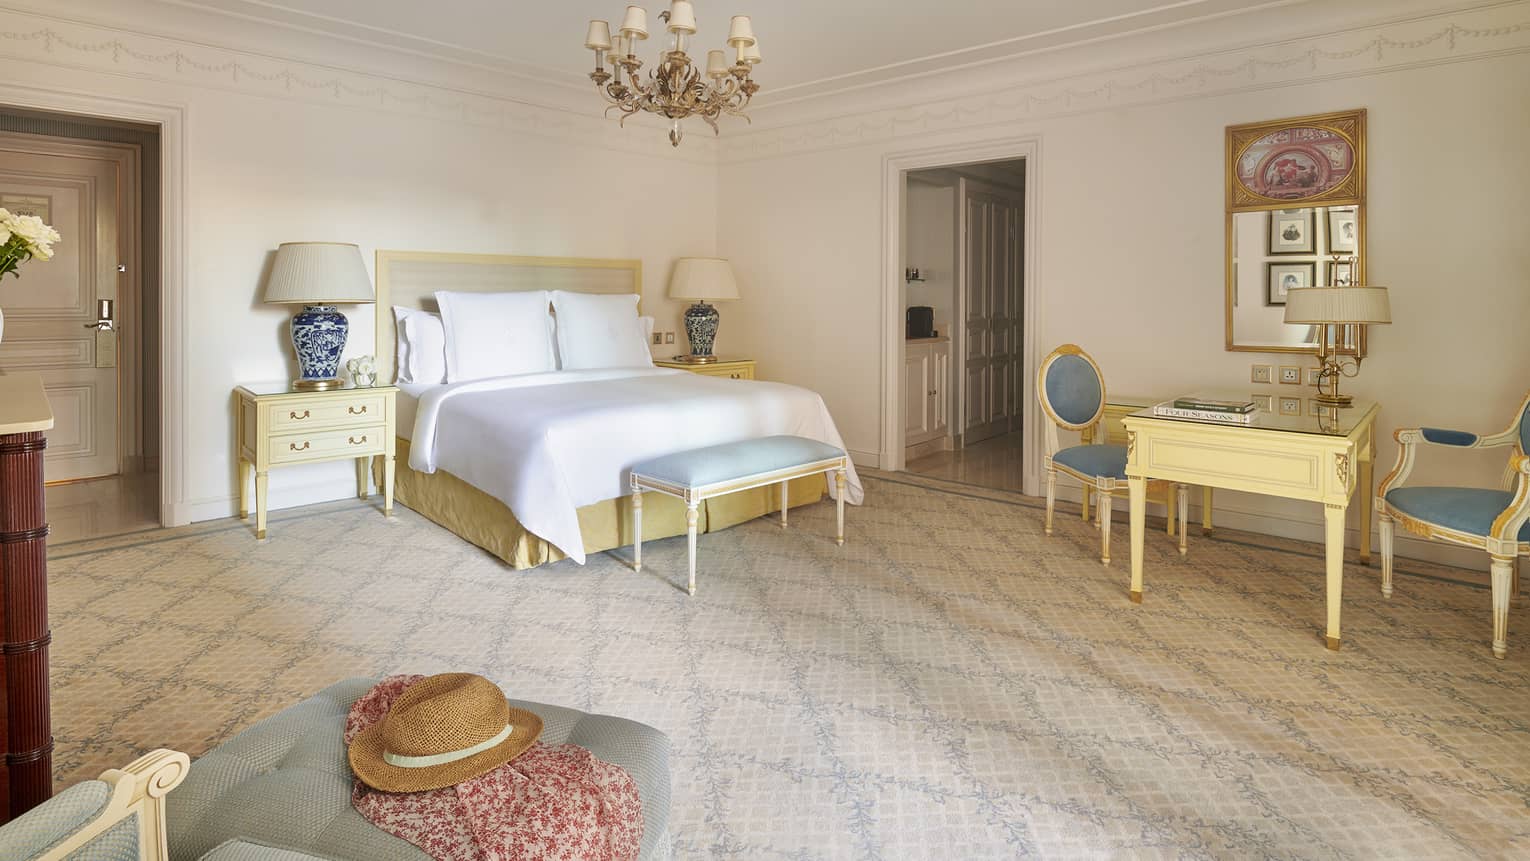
(291, 416)
(736, 372)
(318, 444)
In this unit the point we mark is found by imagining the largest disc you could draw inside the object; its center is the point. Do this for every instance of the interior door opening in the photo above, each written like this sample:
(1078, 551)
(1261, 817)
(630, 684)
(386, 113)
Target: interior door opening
(87, 321)
(963, 251)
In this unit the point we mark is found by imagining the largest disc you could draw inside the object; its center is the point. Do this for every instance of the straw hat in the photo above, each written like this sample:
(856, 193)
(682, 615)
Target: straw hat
(441, 731)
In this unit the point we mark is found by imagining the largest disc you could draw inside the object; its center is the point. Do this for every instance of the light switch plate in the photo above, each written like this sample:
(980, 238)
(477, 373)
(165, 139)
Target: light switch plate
(1262, 374)
(1263, 402)
(658, 337)
(1290, 375)
(669, 337)
(1290, 406)
(1314, 376)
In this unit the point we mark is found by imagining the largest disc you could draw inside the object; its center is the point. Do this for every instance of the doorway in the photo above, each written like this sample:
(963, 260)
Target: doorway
(964, 238)
(87, 321)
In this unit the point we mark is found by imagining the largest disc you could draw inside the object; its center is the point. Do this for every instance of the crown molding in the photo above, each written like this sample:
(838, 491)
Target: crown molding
(470, 96)
(993, 94)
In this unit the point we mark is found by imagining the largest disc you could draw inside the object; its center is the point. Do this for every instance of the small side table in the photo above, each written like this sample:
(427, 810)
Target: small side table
(278, 426)
(733, 369)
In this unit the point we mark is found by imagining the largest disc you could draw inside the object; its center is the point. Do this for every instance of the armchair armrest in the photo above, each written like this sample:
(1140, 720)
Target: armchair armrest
(1408, 440)
(1441, 436)
(137, 788)
(1507, 525)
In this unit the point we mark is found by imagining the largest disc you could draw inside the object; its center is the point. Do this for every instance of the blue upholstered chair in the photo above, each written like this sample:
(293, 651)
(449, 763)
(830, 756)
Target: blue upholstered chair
(1072, 393)
(1492, 520)
(120, 817)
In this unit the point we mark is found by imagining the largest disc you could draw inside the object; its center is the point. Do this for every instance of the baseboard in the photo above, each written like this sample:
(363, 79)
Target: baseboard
(865, 459)
(1235, 513)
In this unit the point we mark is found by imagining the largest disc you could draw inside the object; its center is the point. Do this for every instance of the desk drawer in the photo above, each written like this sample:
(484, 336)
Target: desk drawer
(293, 416)
(325, 444)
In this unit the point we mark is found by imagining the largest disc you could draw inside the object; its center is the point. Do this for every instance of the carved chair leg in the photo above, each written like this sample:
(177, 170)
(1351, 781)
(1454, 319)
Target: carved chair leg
(1183, 494)
(1052, 498)
(1503, 572)
(1386, 526)
(1104, 506)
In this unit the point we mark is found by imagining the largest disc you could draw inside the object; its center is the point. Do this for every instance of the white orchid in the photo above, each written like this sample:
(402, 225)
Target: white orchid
(22, 238)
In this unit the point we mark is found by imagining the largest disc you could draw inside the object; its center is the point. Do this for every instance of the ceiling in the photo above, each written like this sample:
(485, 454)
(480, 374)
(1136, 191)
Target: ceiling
(802, 40)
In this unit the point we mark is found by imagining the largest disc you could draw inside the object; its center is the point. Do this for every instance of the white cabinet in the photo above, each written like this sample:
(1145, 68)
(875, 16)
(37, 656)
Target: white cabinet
(926, 396)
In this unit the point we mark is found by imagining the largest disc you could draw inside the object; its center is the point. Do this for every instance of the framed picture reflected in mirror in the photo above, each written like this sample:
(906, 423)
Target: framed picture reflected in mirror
(1281, 278)
(1291, 231)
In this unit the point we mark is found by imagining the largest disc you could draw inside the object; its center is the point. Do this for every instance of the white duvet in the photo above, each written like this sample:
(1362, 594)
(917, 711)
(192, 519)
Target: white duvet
(547, 444)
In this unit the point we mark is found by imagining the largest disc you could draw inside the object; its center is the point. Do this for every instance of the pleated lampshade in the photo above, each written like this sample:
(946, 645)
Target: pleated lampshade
(1338, 305)
(318, 273)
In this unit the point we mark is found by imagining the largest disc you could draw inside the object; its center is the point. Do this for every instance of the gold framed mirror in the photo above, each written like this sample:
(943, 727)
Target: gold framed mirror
(1295, 218)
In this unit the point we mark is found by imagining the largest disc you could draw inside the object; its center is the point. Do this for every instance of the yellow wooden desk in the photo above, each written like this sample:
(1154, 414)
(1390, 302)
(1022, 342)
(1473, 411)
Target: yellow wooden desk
(1117, 408)
(1319, 458)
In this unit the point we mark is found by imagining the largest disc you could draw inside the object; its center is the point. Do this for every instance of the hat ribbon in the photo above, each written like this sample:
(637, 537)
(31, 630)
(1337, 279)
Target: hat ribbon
(402, 761)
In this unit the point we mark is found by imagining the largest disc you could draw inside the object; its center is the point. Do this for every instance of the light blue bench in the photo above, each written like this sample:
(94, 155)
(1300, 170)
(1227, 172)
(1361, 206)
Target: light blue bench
(716, 470)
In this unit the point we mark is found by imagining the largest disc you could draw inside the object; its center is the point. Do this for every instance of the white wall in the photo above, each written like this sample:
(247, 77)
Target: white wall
(1131, 226)
(267, 163)
(931, 246)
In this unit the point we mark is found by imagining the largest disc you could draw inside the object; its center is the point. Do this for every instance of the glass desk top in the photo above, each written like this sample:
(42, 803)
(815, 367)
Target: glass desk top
(1329, 421)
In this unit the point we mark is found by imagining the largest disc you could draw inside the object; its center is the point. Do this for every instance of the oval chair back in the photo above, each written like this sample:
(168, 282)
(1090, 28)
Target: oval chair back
(1071, 390)
(1524, 426)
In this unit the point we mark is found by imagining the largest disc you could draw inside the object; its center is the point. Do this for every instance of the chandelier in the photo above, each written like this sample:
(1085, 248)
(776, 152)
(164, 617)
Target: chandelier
(675, 89)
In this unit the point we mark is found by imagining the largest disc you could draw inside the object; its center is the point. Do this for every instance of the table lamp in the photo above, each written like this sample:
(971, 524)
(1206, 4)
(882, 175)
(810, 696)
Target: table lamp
(1331, 308)
(702, 278)
(318, 276)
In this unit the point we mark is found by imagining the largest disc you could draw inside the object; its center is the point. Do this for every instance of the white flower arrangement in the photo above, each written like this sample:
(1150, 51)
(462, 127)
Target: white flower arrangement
(23, 237)
(363, 370)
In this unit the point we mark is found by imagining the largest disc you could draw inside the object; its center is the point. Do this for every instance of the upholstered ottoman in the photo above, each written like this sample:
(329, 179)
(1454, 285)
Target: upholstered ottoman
(285, 782)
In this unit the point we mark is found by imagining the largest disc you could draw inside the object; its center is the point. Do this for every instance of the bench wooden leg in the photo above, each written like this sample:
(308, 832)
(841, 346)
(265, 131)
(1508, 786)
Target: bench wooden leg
(839, 504)
(690, 540)
(637, 530)
(784, 504)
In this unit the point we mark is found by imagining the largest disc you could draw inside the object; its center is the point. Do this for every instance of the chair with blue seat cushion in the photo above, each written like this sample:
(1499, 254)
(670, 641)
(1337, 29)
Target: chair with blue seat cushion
(1072, 394)
(1497, 521)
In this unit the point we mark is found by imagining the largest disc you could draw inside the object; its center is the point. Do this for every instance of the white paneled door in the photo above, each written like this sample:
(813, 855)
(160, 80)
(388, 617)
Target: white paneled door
(992, 302)
(52, 310)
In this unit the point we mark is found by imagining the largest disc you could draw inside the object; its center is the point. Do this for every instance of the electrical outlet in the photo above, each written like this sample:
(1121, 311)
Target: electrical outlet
(1290, 375)
(669, 337)
(1263, 402)
(1290, 406)
(1262, 374)
(1314, 376)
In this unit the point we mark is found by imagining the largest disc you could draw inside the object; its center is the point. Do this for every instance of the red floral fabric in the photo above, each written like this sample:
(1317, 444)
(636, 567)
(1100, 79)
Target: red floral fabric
(548, 803)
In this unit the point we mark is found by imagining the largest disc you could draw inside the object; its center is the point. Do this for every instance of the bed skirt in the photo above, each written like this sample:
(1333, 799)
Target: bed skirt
(483, 520)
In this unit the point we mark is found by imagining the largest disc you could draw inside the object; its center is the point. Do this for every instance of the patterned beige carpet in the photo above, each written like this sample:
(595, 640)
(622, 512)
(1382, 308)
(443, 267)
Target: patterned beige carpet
(949, 684)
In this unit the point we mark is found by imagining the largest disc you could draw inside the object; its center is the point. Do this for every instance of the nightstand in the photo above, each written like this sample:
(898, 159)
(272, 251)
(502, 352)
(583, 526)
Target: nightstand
(277, 426)
(733, 369)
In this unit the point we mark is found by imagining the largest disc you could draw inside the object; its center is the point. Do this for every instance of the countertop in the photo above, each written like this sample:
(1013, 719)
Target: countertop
(935, 340)
(23, 404)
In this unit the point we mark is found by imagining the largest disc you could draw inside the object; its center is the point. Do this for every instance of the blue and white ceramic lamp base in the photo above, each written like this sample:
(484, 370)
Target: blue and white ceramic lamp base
(318, 339)
(701, 328)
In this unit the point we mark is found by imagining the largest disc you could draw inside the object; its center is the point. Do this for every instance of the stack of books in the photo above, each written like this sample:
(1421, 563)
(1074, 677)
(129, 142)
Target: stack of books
(1208, 410)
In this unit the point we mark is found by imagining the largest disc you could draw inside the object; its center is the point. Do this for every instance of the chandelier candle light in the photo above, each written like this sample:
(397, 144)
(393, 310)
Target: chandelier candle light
(675, 89)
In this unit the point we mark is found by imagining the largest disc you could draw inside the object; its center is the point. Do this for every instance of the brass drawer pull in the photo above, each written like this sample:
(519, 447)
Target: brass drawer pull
(733, 376)
(292, 446)
(355, 412)
(292, 414)
(355, 441)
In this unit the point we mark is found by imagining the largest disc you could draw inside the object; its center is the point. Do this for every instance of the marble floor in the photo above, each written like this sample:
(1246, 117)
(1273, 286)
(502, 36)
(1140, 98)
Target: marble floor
(100, 507)
(997, 463)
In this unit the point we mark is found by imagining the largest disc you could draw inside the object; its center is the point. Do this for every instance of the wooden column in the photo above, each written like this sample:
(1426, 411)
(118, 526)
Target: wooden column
(24, 634)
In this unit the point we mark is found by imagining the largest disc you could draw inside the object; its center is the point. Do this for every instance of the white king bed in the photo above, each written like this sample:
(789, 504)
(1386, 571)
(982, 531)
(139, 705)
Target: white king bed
(533, 465)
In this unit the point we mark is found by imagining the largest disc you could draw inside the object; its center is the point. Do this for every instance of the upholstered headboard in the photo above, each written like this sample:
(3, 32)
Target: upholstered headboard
(411, 278)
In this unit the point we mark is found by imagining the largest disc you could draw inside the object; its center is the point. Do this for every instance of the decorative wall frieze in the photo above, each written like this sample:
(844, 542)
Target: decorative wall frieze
(989, 99)
(30, 37)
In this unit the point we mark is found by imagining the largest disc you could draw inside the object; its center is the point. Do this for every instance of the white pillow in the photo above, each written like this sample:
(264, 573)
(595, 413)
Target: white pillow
(599, 331)
(496, 334)
(421, 346)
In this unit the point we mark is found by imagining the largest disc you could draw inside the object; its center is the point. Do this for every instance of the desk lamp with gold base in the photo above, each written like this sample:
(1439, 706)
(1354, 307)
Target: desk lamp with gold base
(1331, 309)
